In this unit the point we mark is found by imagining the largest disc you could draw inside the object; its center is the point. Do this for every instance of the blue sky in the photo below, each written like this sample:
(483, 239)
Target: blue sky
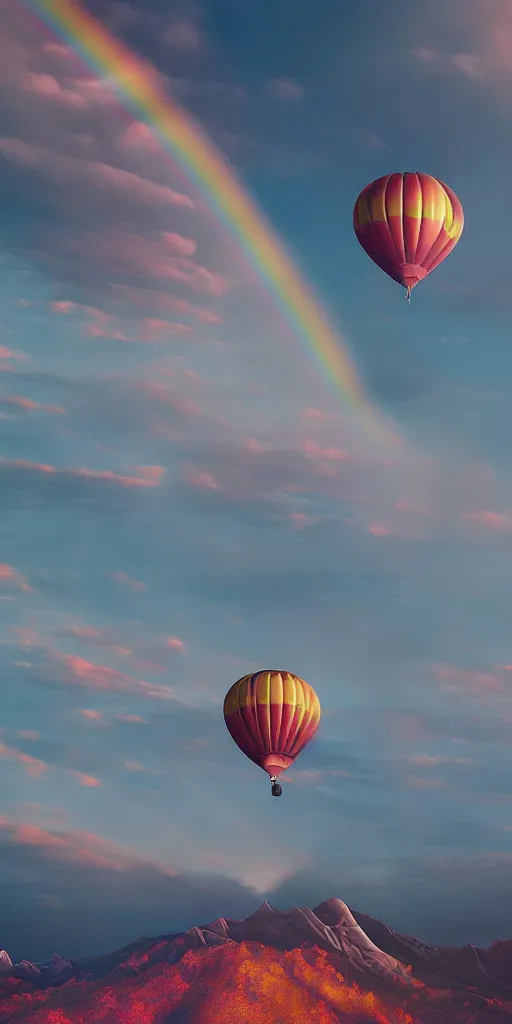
(184, 499)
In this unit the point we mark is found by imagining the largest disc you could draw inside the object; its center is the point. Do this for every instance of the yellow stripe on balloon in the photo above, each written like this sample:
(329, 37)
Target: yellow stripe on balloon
(272, 688)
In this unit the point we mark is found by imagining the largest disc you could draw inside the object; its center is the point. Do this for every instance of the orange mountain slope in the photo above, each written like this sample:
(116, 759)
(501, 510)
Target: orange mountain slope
(300, 966)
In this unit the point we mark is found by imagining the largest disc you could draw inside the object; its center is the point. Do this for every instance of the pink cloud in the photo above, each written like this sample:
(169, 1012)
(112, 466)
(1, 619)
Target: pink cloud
(32, 765)
(128, 581)
(300, 520)
(90, 675)
(102, 326)
(28, 734)
(71, 170)
(491, 59)
(184, 34)
(332, 454)
(91, 715)
(404, 726)
(426, 54)
(317, 415)
(87, 633)
(90, 781)
(138, 136)
(11, 576)
(62, 307)
(134, 766)
(153, 329)
(490, 520)
(144, 257)
(472, 681)
(96, 331)
(470, 64)
(378, 530)
(59, 49)
(201, 479)
(150, 298)
(133, 719)
(48, 86)
(37, 769)
(9, 353)
(425, 761)
(149, 476)
(285, 89)
(98, 638)
(27, 403)
(251, 444)
(179, 402)
(148, 257)
(77, 847)
(26, 637)
(175, 644)
(185, 246)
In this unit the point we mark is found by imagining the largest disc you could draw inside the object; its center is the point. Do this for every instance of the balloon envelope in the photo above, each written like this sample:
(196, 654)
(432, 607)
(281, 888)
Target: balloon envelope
(408, 224)
(272, 716)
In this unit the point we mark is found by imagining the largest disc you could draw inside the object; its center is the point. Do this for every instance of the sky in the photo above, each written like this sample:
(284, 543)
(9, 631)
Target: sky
(186, 498)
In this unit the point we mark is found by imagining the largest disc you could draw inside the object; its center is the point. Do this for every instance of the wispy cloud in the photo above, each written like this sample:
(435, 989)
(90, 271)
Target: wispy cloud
(150, 476)
(285, 89)
(38, 769)
(71, 670)
(489, 59)
(66, 169)
(9, 576)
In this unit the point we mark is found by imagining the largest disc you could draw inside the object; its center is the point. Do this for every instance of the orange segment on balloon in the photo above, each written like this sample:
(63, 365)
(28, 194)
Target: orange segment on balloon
(408, 224)
(272, 716)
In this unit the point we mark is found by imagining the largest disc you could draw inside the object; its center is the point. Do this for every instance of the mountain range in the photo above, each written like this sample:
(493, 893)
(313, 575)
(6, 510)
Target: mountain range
(301, 966)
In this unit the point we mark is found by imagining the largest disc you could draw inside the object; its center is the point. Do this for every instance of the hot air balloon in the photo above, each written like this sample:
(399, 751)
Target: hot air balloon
(408, 224)
(271, 716)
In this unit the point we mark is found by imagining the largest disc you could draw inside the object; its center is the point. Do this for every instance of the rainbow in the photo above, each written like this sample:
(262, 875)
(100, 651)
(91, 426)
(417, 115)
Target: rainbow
(217, 182)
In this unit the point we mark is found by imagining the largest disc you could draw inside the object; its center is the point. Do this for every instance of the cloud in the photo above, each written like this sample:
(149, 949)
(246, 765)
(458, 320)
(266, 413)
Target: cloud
(185, 246)
(149, 298)
(175, 644)
(204, 481)
(471, 65)
(494, 521)
(91, 715)
(127, 581)
(285, 89)
(184, 35)
(427, 761)
(65, 170)
(489, 61)
(144, 258)
(116, 893)
(469, 681)
(11, 577)
(71, 670)
(157, 330)
(35, 768)
(48, 86)
(23, 480)
(9, 353)
(30, 406)
(139, 136)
